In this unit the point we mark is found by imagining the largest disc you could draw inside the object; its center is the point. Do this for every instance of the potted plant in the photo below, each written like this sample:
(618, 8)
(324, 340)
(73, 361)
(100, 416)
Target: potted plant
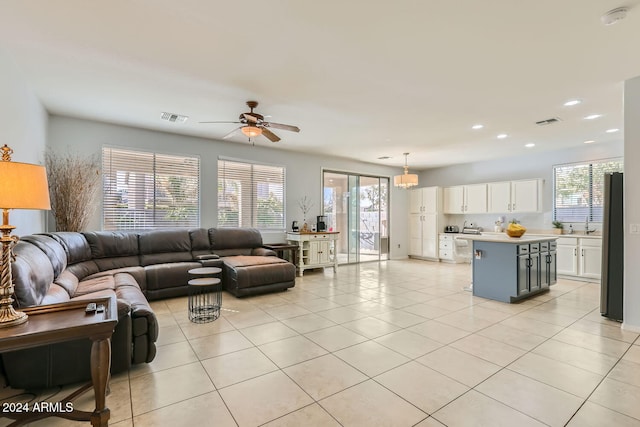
(557, 227)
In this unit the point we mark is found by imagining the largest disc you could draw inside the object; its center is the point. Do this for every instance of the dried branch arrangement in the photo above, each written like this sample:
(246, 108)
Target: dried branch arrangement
(73, 185)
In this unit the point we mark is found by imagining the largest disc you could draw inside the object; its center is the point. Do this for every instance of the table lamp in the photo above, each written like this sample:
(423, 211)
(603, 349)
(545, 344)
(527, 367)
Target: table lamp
(22, 186)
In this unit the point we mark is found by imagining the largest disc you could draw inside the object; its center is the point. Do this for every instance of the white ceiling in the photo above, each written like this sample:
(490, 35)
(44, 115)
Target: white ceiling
(362, 79)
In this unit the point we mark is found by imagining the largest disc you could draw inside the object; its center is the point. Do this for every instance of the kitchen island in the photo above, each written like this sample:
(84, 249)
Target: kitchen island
(508, 269)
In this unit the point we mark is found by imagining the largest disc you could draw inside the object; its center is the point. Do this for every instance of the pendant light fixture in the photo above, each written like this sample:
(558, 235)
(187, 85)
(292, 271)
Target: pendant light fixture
(406, 180)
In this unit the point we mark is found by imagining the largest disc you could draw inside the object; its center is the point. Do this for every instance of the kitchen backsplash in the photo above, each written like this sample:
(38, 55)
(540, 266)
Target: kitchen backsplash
(532, 221)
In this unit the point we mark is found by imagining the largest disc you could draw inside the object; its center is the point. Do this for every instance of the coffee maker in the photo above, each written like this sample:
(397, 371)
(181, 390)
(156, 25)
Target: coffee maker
(321, 223)
(294, 226)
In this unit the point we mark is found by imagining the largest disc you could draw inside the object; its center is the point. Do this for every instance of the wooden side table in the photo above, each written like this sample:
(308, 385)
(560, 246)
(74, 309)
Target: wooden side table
(55, 323)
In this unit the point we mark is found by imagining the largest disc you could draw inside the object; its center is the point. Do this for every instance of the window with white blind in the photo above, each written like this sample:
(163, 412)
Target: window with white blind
(579, 190)
(250, 195)
(144, 190)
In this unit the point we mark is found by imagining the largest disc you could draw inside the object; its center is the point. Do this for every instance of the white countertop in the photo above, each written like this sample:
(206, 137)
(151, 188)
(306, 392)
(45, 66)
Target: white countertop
(503, 238)
(574, 235)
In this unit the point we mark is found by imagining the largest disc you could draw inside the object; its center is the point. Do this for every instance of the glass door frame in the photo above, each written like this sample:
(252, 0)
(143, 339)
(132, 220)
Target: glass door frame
(353, 239)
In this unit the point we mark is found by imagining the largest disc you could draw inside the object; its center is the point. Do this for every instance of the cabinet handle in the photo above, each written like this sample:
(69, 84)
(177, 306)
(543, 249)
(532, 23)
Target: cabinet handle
(513, 206)
(575, 251)
(582, 252)
(509, 207)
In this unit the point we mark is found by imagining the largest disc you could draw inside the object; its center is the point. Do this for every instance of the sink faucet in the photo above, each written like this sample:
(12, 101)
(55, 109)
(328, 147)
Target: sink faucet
(586, 226)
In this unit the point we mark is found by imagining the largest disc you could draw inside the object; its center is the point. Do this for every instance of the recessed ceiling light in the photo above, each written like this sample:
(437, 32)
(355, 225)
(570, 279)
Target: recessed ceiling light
(572, 102)
(614, 130)
(502, 136)
(530, 145)
(591, 141)
(476, 127)
(593, 116)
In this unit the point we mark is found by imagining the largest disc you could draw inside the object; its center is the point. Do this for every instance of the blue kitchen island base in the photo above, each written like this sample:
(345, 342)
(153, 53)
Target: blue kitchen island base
(510, 269)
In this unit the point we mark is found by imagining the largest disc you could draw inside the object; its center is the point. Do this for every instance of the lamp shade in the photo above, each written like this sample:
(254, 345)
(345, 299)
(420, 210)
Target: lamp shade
(251, 131)
(405, 180)
(23, 186)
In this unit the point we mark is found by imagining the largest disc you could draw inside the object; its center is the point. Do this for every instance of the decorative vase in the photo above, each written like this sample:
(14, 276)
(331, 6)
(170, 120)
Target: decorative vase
(497, 229)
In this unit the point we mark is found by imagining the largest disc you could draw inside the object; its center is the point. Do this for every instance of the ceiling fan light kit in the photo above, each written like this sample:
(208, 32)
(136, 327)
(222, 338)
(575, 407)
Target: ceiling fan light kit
(251, 131)
(406, 180)
(253, 125)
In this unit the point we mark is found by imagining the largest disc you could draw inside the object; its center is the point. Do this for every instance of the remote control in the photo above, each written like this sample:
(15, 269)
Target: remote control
(91, 308)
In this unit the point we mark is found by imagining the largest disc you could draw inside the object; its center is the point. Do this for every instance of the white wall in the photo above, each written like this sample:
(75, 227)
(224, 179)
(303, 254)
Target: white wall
(631, 311)
(533, 165)
(23, 127)
(303, 172)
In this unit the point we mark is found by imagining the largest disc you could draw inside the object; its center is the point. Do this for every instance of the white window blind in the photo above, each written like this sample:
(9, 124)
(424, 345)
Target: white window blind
(579, 190)
(250, 195)
(143, 190)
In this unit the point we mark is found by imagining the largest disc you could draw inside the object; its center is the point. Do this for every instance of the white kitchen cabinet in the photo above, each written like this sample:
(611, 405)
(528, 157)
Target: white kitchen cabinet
(515, 196)
(590, 258)
(446, 247)
(465, 199)
(425, 221)
(567, 250)
(580, 257)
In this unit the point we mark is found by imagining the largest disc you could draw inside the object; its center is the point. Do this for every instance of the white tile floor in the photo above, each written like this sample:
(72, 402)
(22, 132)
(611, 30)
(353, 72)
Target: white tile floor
(397, 343)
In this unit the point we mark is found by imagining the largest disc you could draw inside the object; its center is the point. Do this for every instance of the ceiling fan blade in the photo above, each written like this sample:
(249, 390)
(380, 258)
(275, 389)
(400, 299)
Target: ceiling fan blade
(272, 136)
(230, 134)
(250, 118)
(219, 122)
(281, 126)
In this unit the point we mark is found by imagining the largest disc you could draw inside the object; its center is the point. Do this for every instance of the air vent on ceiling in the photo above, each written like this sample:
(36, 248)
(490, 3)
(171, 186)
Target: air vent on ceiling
(383, 157)
(174, 118)
(550, 121)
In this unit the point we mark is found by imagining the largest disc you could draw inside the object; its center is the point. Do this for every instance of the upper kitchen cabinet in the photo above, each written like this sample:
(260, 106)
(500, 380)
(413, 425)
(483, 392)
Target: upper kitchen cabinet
(423, 200)
(515, 196)
(465, 199)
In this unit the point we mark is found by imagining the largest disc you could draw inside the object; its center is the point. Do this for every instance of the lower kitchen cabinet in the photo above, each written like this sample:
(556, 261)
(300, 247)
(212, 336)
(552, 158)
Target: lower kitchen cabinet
(580, 257)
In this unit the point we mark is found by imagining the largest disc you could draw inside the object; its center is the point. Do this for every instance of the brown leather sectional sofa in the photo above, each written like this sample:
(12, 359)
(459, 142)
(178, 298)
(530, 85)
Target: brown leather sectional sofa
(135, 267)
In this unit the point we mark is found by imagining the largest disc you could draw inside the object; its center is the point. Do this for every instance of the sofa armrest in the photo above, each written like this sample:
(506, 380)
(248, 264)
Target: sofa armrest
(209, 260)
(262, 252)
(207, 256)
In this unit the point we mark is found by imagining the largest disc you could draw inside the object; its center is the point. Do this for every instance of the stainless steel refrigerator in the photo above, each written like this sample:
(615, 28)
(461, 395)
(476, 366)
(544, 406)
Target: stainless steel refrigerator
(611, 291)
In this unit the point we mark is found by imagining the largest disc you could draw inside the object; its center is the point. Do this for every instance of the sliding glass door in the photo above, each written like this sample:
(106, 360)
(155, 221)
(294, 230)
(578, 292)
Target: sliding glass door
(357, 207)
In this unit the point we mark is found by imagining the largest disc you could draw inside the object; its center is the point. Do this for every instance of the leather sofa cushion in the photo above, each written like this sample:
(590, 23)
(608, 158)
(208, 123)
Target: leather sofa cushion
(234, 238)
(161, 276)
(137, 274)
(83, 269)
(233, 252)
(52, 248)
(32, 274)
(56, 294)
(199, 239)
(162, 246)
(68, 281)
(248, 272)
(74, 244)
(245, 261)
(95, 284)
(112, 244)
(113, 263)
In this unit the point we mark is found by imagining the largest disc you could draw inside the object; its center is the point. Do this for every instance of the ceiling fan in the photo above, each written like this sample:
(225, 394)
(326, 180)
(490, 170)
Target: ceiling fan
(253, 125)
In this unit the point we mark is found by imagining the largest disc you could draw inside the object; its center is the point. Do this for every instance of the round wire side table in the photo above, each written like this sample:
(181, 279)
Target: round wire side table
(205, 295)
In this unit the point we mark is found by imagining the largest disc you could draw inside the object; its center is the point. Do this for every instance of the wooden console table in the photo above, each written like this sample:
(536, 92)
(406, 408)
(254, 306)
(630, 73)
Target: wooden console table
(55, 323)
(315, 249)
